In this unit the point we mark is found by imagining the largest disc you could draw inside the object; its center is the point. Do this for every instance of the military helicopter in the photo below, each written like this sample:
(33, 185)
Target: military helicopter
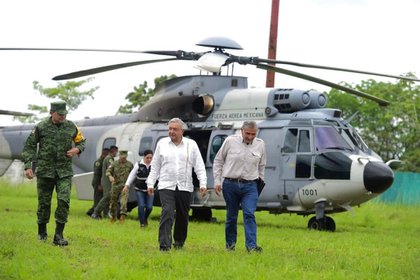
(317, 162)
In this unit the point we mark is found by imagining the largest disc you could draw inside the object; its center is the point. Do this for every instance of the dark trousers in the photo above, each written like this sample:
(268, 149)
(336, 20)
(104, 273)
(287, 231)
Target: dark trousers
(97, 196)
(175, 206)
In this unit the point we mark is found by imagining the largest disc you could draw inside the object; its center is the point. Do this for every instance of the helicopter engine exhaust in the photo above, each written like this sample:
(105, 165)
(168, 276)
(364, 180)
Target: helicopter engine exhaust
(203, 105)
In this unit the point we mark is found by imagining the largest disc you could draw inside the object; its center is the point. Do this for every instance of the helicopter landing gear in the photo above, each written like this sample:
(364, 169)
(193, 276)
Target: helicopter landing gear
(320, 221)
(326, 223)
(202, 214)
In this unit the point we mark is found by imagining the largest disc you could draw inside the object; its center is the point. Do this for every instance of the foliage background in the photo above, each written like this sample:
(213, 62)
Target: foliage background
(391, 131)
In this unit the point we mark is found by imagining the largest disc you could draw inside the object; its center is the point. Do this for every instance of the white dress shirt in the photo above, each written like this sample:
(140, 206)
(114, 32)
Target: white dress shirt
(172, 165)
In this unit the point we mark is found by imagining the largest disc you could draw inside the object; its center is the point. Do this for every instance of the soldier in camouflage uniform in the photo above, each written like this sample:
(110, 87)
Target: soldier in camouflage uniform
(96, 180)
(118, 173)
(103, 205)
(50, 145)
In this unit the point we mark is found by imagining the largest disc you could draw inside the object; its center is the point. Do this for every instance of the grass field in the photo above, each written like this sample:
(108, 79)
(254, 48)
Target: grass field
(377, 241)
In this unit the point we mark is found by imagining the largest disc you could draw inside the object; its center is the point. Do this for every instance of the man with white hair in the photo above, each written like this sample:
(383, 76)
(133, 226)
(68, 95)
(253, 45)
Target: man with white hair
(175, 157)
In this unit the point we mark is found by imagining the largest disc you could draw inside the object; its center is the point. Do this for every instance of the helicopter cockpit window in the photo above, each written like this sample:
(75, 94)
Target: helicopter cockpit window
(360, 143)
(216, 144)
(327, 137)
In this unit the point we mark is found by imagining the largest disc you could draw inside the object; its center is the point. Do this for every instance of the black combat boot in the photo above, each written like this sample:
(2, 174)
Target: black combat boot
(42, 232)
(58, 236)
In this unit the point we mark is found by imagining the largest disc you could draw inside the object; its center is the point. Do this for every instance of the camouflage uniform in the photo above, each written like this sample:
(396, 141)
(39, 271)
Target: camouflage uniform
(103, 204)
(120, 171)
(53, 167)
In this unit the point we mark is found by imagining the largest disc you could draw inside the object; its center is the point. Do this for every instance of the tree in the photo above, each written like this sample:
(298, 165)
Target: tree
(390, 131)
(68, 92)
(141, 94)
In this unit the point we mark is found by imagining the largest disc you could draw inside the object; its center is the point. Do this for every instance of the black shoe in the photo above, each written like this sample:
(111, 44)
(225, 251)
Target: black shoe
(230, 247)
(164, 249)
(59, 240)
(95, 216)
(89, 212)
(42, 236)
(58, 236)
(256, 249)
(178, 245)
(42, 232)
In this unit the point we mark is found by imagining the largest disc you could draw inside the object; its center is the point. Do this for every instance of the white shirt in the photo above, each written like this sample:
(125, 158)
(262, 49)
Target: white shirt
(237, 160)
(173, 164)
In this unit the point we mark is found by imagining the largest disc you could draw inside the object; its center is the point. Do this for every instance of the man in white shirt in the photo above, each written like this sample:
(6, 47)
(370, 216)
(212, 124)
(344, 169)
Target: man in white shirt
(175, 157)
(240, 162)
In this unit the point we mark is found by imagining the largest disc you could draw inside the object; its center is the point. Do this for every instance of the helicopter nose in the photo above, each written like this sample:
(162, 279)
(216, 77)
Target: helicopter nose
(377, 177)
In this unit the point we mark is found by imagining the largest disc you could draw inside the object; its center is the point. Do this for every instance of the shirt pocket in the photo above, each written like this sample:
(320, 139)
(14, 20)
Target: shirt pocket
(234, 154)
(254, 157)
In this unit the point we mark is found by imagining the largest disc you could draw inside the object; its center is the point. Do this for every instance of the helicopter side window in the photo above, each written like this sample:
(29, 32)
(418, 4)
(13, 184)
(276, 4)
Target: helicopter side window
(290, 141)
(304, 145)
(108, 142)
(145, 144)
(216, 144)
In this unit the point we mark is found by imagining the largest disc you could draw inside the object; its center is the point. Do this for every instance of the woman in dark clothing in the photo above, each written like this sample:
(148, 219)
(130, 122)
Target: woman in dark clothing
(137, 179)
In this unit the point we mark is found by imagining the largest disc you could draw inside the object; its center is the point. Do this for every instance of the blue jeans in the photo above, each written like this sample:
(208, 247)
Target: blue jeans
(244, 195)
(144, 206)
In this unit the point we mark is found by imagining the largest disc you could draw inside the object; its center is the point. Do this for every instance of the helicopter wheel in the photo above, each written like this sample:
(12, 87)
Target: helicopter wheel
(328, 224)
(201, 214)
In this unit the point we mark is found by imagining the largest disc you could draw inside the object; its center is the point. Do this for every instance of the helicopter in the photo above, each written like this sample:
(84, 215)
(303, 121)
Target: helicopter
(317, 163)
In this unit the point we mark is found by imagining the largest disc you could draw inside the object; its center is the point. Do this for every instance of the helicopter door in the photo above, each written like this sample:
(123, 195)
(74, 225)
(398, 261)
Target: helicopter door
(274, 188)
(297, 159)
(215, 143)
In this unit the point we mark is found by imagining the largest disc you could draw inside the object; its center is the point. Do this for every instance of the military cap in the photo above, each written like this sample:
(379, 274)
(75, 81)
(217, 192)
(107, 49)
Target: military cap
(123, 153)
(59, 107)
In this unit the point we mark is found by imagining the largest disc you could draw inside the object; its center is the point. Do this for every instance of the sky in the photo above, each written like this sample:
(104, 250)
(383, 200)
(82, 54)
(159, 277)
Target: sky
(371, 35)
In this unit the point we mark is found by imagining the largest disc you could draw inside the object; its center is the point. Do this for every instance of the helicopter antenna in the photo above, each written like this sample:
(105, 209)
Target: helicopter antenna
(352, 116)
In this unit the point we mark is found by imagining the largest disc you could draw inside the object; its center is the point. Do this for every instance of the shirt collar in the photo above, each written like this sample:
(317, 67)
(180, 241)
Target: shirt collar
(142, 162)
(244, 141)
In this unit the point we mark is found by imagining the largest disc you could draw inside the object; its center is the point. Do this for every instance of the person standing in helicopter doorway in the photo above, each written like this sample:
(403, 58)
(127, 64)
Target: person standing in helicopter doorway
(52, 144)
(240, 161)
(137, 177)
(103, 204)
(96, 180)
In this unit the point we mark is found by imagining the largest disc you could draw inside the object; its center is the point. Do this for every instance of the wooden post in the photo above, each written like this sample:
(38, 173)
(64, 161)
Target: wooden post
(272, 41)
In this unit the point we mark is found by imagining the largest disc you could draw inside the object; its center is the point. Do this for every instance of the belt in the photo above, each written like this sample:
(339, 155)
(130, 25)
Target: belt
(239, 180)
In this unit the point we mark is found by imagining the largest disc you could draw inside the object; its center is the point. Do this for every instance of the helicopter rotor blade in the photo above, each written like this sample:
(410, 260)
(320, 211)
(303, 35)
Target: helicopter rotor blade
(97, 70)
(15, 113)
(271, 61)
(378, 100)
(182, 55)
(71, 50)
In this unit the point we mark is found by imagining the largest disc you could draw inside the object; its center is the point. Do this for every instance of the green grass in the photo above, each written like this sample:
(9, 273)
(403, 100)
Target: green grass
(377, 241)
